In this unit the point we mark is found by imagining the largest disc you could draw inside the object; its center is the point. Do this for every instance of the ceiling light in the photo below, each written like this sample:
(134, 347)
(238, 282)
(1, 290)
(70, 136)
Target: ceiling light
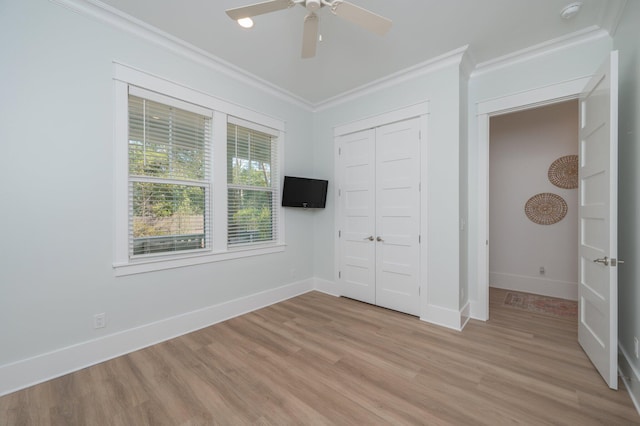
(245, 22)
(570, 10)
(312, 5)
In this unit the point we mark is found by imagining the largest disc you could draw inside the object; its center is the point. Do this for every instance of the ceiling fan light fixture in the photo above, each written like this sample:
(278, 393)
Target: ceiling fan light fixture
(312, 5)
(245, 22)
(344, 9)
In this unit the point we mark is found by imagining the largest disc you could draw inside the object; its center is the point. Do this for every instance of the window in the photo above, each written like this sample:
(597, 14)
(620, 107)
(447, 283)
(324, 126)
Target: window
(169, 151)
(252, 192)
(193, 182)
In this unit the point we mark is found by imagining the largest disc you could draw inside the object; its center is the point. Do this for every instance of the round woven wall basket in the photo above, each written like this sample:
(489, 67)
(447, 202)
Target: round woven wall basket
(546, 208)
(563, 172)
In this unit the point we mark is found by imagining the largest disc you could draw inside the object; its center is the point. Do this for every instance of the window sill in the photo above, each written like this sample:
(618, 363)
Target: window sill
(141, 266)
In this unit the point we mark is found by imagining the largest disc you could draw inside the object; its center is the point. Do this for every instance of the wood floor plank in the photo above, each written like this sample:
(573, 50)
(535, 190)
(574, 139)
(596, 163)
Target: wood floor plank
(320, 360)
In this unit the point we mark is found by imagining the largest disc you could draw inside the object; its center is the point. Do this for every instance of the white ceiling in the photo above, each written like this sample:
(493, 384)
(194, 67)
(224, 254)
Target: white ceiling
(350, 57)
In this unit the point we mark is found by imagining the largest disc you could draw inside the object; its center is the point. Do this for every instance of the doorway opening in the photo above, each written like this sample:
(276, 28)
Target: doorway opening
(533, 201)
(569, 90)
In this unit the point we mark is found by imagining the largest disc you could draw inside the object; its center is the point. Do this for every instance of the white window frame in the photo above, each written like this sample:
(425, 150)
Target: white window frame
(124, 264)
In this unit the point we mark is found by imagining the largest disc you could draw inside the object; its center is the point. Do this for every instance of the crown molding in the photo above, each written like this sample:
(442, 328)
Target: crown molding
(542, 49)
(467, 64)
(104, 13)
(469, 68)
(611, 15)
(453, 57)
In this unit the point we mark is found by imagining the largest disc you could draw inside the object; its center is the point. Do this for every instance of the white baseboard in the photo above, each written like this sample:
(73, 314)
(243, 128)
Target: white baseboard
(465, 315)
(630, 376)
(47, 366)
(435, 314)
(326, 286)
(536, 285)
(478, 310)
(31, 371)
(450, 318)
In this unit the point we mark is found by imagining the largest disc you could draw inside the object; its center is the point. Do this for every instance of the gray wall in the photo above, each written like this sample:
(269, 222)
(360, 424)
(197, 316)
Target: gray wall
(56, 185)
(627, 41)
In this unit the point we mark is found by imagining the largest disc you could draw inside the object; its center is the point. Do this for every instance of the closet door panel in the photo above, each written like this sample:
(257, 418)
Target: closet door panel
(356, 169)
(398, 216)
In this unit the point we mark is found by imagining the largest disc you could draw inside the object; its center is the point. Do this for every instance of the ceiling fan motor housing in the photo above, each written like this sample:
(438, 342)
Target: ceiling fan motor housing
(312, 5)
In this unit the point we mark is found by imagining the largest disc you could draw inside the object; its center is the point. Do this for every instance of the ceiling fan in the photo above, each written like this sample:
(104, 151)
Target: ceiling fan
(349, 11)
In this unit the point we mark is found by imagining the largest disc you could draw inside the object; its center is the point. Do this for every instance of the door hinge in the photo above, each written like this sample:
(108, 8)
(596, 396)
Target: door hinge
(419, 291)
(339, 192)
(339, 234)
(419, 239)
(339, 151)
(339, 274)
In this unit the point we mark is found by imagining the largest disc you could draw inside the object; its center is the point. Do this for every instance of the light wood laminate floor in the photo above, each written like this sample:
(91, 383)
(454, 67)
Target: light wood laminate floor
(317, 359)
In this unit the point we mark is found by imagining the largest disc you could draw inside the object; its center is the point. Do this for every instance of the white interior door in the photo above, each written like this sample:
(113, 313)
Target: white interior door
(598, 275)
(398, 216)
(379, 215)
(356, 212)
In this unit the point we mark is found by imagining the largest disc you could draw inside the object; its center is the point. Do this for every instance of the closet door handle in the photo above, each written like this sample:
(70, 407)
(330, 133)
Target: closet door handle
(379, 239)
(370, 238)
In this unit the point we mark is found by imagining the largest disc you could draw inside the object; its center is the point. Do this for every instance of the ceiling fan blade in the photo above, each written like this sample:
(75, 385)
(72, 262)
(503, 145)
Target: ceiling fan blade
(258, 9)
(310, 36)
(362, 17)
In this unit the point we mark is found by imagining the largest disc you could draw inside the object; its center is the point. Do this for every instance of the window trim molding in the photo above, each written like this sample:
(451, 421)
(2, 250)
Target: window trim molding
(125, 76)
(179, 261)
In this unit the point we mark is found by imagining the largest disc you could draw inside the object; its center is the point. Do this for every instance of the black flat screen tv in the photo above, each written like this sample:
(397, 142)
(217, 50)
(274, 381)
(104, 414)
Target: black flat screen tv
(304, 192)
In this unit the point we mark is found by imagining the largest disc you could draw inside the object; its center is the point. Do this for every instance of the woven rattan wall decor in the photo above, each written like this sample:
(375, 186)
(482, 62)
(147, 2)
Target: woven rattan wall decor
(563, 172)
(546, 208)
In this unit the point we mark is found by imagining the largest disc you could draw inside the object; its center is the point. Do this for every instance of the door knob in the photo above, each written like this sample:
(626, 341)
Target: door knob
(370, 238)
(604, 260)
(379, 239)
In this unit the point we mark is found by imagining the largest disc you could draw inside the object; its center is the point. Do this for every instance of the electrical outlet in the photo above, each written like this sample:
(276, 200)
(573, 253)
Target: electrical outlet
(99, 320)
(635, 347)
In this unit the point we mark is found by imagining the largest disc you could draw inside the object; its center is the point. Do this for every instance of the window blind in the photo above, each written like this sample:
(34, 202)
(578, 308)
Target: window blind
(169, 178)
(252, 185)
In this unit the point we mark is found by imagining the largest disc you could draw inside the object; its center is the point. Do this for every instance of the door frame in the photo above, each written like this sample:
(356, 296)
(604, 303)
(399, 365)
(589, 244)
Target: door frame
(419, 110)
(529, 99)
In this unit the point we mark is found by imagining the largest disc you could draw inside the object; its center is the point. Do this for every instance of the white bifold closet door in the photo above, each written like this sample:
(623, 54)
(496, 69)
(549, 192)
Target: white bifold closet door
(379, 216)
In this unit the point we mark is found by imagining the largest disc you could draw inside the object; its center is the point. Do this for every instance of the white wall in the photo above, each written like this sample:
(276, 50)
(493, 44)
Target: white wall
(522, 147)
(627, 42)
(56, 183)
